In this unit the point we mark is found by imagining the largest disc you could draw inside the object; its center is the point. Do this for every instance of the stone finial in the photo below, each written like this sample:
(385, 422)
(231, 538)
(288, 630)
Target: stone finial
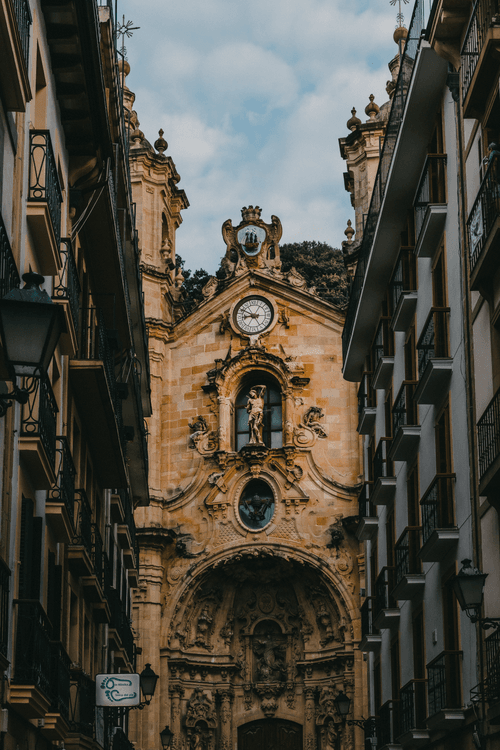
(160, 144)
(401, 33)
(353, 122)
(372, 109)
(251, 213)
(349, 231)
(123, 66)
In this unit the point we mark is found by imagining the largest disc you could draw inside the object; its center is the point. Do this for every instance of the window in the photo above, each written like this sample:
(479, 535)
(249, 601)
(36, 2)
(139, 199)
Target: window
(272, 431)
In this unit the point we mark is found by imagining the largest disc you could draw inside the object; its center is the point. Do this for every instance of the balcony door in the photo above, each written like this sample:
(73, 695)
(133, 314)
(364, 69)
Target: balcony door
(270, 734)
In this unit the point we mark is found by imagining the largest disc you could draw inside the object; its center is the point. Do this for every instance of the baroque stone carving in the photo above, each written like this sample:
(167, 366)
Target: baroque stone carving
(200, 708)
(255, 409)
(311, 421)
(203, 439)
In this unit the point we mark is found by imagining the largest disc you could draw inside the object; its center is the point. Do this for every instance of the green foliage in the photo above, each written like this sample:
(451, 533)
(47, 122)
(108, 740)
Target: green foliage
(193, 284)
(322, 266)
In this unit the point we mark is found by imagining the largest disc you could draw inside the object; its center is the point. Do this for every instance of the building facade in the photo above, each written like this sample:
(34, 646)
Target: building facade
(73, 458)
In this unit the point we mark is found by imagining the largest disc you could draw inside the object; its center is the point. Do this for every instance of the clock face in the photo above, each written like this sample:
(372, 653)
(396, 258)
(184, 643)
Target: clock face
(253, 315)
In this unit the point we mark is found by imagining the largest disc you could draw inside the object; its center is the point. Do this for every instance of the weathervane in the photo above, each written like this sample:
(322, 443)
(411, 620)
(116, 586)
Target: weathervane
(125, 29)
(400, 17)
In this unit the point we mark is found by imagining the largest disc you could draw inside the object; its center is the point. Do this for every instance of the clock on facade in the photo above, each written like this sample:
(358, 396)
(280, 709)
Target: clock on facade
(253, 315)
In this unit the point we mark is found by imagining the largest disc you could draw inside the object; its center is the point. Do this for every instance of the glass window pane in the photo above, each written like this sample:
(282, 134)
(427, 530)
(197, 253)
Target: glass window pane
(275, 417)
(274, 396)
(241, 440)
(242, 397)
(276, 439)
(241, 420)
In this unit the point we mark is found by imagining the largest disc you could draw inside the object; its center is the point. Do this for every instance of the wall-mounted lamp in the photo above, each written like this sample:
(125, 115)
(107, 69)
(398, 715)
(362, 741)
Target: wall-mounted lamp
(166, 736)
(468, 586)
(343, 705)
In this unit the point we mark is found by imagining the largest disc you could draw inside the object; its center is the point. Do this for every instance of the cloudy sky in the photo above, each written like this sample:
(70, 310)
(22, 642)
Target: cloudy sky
(253, 96)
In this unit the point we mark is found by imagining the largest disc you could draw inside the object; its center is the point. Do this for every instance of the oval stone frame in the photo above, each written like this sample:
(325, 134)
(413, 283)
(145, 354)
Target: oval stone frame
(244, 484)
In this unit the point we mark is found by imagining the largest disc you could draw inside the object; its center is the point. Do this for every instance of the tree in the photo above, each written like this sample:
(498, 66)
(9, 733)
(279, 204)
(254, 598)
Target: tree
(193, 284)
(321, 265)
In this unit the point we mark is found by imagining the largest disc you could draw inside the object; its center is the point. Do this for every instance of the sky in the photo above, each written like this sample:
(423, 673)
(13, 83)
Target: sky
(253, 96)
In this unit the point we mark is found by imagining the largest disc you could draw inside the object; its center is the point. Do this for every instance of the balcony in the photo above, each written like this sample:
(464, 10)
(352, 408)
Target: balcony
(434, 363)
(80, 550)
(98, 399)
(444, 692)
(9, 279)
(492, 684)
(367, 407)
(37, 444)
(479, 65)
(439, 533)
(413, 705)
(56, 721)
(30, 692)
(383, 355)
(127, 539)
(67, 294)
(405, 429)
(385, 607)
(410, 580)
(430, 206)
(483, 227)
(82, 706)
(488, 437)
(60, 504)
(388, 725)
(137, 448)
(370, 637)
(94, 583)
(4, 614)
(367, 514)
(384, 481)
(15, 23)
(44, 203)
(402, 290)
(120, 632)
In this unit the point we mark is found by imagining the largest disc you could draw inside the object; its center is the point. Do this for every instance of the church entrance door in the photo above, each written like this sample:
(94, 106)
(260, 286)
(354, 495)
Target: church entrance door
(270, 734)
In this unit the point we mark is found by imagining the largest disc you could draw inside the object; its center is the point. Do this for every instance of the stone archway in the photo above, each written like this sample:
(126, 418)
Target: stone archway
(270, 734)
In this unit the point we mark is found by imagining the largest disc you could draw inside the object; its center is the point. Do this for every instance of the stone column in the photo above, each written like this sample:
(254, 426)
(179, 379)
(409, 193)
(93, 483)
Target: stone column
(226, 726)
(176, 694)
(287, 421)
(224, 418)
(309, 723)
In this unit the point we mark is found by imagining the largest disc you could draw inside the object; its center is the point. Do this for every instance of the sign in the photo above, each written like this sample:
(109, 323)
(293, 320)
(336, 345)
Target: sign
(117, 690)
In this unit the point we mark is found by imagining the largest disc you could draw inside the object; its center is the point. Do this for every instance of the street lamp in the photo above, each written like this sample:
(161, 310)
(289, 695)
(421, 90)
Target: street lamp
(468, 586)
(166, 736)
(343, 705)
(30, 326)
(148, 680)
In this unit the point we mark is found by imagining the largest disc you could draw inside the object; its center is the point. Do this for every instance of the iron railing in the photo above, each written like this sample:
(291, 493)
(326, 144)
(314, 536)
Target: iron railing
(143, 433)
(413, 705)
(406, 553)
(437, 505)
(366, 508)
(433, 341)
(64, 488)
(431, 189)
(43, 179)
(404, 278)
(366, 394)
(120, 622)
(24, 20)
(9, 276)
(404, 410)
(382, 464)
(39, 416)
(129, 520)
(68, 283)
(416, 27)
(444, 682)
(383, 343)
(386, 580)
(83, 532)
(112, 191)
(33, 655)
(484, 15)
(4, 607)
(60, 679)
(488, 434)
(82, 704)
(98, 554)
(367, 626)
(388, 724)
(485, 210)
(492, 644)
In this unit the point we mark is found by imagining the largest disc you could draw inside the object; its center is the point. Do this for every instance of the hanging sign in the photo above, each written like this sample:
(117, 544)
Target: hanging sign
(117, 690)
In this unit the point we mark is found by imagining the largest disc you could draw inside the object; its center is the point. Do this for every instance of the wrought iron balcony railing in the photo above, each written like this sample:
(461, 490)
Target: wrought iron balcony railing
(488, 434)
(406, 549)
(4, 608)
(484, 15)
(385, 583)
(431, 189)
(485, 210)
(383, 343)
(68, 283)
(83, 531)
(367, 626)
(404, 277)
(120, 622)
(97, 554)
(492, 643)
(366, 395)
(129, 520)
(9, 276)
(444, 682)
(39, 417)
(60, 679)
(43, 179)
(413, 705)
(64, 488)
(24, 20)
(404, 410)
(437, 505)
(388, 724)
(366, 508)
(433, 341)
(112, 191)
(382, 464)
(82, 704)
(33, 653)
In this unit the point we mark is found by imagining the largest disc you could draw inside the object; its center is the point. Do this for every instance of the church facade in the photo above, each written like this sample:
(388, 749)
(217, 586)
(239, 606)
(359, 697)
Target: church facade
(248, 602)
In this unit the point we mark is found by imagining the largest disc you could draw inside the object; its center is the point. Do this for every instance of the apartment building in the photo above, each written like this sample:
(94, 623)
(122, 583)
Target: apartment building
(73, 454)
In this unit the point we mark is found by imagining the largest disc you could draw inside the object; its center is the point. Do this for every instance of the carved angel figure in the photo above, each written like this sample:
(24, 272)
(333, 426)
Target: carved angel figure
(311, 420)
(200, 427)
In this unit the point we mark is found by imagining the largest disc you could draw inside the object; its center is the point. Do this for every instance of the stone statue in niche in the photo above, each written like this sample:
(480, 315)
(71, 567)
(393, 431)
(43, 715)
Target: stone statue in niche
(255, 409)
(324, 621)
(269, 647)
(330, 736)
(198, 739)
(203, 626)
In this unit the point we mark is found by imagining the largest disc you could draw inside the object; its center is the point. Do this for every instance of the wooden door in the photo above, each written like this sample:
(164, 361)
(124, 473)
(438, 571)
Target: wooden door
(270, 734)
